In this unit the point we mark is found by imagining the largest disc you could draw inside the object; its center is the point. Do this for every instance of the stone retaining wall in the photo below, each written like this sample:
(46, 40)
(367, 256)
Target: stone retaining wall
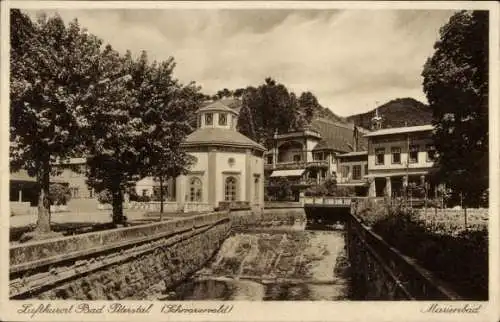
(148, 276)
(38, 268)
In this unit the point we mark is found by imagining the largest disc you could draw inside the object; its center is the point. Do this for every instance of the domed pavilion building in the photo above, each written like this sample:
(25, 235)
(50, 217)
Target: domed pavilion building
(229, 166)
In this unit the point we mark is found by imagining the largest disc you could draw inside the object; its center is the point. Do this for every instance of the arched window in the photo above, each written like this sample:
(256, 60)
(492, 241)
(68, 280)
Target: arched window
(230, 189)
(195, 190)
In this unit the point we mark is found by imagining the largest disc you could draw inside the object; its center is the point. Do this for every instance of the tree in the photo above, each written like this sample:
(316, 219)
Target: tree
(114, 132)
(456, 85)
(52, 69)
(166, 109)
(266, 109)
(308, 103)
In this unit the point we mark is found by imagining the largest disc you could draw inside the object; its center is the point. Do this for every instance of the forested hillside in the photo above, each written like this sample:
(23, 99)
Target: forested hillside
(396, 113)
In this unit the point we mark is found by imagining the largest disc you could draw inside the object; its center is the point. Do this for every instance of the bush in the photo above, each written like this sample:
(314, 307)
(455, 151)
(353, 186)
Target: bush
(316, 191)
(105, 197)
(279, 189)
(143, 199)
(329, 188)
(343, 192)
(59, 194)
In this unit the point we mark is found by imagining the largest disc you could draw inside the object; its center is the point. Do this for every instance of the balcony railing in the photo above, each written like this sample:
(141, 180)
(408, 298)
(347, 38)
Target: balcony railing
(290, 165)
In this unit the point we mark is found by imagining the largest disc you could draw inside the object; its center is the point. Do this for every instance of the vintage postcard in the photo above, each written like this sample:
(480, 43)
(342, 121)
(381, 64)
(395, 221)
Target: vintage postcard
(249, 161)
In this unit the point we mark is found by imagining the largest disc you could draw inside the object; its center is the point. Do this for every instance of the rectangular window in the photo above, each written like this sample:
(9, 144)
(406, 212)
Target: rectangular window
(222, 119)
(345, 171)
(208, 119)
(379, 156)
(269, 159)
(75, 193)
(366, 169)
(356, 172)
(413, 154)
(396, 155)
(431, 152)
(318, 156)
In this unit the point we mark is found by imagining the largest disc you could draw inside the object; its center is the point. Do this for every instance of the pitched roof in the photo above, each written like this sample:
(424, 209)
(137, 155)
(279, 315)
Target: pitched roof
(352, 154)
(399, 130)
(21, 175)
(220, 136)
(337, 136)
(218, 106)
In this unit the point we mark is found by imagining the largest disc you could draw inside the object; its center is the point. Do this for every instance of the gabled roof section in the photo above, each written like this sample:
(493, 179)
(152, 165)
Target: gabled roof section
(338, 136)
(218, 106)
(399, 130)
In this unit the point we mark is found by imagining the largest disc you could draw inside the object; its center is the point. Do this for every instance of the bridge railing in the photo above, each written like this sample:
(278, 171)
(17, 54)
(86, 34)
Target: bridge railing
(327, 200)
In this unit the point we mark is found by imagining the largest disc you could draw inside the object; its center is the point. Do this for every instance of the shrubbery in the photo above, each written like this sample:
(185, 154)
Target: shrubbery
(329, 188)
(460, 258)
(104, 197)
(59, 194)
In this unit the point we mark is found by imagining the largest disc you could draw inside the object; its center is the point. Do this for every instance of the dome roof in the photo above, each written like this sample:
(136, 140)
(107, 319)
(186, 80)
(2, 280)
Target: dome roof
(220, 136)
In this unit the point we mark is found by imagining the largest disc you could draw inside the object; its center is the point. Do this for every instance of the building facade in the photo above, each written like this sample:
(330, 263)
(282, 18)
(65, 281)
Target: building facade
(398, 157)
(229, 166)
(309, 157)
(353, 171)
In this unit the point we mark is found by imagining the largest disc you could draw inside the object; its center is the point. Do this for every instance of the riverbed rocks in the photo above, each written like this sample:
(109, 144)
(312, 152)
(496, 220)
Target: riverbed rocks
(307, 256)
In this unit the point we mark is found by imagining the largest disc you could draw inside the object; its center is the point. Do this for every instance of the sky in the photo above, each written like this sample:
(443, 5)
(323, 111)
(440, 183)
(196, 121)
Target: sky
(352, 60)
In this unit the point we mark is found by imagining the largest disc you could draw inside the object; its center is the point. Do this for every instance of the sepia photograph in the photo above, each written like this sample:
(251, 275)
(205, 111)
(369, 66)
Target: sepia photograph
(230, 155)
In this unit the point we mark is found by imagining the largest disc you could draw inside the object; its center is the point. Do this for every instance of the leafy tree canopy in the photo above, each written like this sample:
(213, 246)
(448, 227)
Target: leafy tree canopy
(456, 85)
(53, 68)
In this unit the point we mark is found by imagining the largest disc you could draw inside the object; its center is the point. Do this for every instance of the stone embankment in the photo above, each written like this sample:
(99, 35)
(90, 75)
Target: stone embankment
(122, 263)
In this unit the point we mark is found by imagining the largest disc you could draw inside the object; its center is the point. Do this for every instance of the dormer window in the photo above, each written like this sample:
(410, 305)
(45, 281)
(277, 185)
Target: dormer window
(209, 118)
(222, 119)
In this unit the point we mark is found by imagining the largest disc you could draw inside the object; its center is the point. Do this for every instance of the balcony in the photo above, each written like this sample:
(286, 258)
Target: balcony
(317, 164)
(290, 165)
(298, 182)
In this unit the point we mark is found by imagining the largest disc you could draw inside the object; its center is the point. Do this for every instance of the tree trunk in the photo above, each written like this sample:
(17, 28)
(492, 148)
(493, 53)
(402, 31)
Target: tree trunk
(117, 195)
(43, 179)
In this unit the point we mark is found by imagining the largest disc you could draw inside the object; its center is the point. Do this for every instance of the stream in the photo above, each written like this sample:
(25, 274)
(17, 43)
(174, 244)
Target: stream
(288, 263)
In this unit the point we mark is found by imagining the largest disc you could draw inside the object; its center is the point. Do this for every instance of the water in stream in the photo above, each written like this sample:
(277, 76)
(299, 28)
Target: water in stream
(291, 263)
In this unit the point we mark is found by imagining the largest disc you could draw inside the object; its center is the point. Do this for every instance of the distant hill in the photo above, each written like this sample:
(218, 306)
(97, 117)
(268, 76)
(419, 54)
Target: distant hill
(326, 113)
(396, 113)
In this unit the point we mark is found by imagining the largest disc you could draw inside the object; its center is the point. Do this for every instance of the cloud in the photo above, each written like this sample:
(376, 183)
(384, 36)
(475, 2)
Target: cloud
(349, 59)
